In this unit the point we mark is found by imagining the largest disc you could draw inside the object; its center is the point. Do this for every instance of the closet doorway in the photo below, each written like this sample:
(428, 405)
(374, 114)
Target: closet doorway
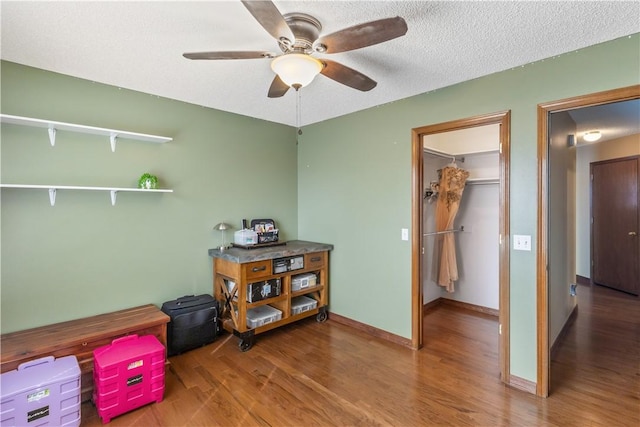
(480, 145)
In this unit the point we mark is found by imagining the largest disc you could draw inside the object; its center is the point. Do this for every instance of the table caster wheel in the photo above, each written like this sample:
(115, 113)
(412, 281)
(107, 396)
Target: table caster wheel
(245, 345)
(322, 316)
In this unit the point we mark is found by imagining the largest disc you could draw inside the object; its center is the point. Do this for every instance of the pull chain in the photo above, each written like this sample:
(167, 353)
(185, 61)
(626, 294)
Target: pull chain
(298, 111)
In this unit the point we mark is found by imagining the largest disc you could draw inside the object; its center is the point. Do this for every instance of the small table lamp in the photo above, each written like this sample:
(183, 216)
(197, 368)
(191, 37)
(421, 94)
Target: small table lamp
(222, 227)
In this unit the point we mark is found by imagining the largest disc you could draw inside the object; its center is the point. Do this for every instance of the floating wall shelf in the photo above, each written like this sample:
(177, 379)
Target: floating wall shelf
(53, 126)
(112, 190)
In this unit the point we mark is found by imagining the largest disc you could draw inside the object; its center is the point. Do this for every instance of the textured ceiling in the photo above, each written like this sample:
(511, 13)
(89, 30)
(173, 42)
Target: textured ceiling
(139, 46)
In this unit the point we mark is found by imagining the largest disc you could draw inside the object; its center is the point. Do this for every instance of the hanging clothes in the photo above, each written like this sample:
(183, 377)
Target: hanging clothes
(451, 186)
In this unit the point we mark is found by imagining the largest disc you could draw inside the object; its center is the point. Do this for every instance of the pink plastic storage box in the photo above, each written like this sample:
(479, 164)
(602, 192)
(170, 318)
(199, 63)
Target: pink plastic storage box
(127, 374)
(41, 392)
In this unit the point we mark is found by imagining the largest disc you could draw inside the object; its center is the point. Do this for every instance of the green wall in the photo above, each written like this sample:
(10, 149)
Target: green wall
(84, 256)
(354, 175)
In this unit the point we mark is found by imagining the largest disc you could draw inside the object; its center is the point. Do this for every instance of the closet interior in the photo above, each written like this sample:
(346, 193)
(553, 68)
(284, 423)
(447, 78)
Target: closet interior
(476, 225)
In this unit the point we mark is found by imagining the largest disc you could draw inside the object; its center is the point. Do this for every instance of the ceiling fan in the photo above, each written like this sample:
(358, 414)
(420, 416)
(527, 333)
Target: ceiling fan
(298, 36)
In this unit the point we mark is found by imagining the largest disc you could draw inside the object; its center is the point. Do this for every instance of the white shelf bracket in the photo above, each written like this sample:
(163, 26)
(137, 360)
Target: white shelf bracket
(52, 136)
(113, 137)
(114, 193)
(52, 196)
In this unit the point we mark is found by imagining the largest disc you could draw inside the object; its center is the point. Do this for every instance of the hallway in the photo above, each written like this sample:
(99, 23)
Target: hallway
(598, 361)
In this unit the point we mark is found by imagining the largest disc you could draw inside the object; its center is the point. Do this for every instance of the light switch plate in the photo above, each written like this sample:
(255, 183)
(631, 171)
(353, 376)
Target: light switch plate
(521, 242)
(405, 234)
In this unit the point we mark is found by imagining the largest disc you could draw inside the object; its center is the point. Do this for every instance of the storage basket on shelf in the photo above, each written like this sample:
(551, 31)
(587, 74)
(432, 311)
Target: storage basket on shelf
(265, 289)
(303, 281)
(262, 315)
(301, 304)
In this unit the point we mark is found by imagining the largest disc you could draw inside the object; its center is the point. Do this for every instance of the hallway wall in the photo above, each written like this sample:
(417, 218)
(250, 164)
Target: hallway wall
(621, 147)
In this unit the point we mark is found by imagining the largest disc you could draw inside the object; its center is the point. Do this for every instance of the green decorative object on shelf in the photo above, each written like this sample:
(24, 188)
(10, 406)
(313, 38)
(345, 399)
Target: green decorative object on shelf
(148, 181)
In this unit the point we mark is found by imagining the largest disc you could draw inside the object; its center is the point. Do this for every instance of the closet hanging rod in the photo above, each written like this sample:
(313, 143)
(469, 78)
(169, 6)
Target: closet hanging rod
(482, 181)
(453, 230)
(443, 155)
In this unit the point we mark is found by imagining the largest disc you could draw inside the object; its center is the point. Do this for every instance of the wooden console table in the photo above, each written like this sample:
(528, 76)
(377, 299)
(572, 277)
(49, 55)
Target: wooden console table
(235, 269)
(80, 337)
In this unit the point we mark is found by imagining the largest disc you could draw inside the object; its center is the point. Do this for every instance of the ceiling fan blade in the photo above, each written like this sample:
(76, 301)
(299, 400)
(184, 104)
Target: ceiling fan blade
(363, 35)
(347, 76)
(229, 55)
(268, 15)
(278, 88)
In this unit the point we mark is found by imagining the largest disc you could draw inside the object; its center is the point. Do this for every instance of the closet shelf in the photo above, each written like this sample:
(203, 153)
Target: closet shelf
(112, 190)
(474, 153)
(54, 126)
(458, 156)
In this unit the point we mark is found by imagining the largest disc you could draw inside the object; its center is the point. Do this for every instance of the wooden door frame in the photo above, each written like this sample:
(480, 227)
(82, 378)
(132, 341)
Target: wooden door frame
(417, 169)
(542, 284)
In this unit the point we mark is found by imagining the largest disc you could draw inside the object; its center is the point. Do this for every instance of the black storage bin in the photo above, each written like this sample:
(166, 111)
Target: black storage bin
(194, 322)
(266, 229)
(262, 290)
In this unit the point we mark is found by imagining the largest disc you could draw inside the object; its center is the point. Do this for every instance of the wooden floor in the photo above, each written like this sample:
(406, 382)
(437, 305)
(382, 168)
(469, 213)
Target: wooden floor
(331, 375)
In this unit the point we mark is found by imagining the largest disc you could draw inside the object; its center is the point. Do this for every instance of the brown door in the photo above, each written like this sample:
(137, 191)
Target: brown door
(615, 244)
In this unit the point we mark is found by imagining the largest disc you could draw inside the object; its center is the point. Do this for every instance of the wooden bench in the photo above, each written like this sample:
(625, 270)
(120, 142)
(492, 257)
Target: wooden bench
(80, 337)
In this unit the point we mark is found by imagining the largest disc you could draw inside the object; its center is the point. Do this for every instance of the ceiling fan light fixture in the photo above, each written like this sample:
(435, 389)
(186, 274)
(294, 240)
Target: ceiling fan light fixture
(296, 69)
(592, 136)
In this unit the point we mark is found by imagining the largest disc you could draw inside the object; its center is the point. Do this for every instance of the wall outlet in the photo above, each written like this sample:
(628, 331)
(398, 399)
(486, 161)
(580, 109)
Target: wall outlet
(404, 234)
(521, 242)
